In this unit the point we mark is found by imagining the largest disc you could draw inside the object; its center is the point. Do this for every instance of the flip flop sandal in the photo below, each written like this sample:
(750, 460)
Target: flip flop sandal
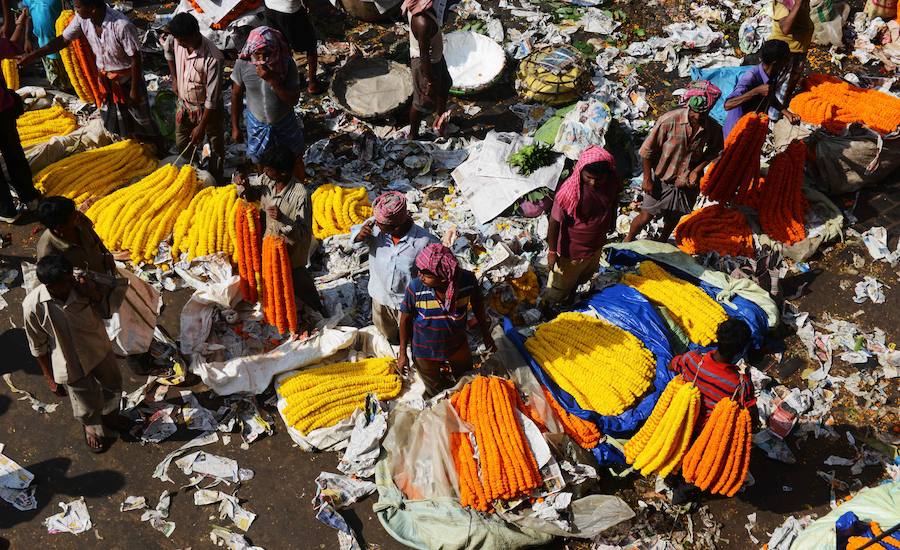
(95, 450)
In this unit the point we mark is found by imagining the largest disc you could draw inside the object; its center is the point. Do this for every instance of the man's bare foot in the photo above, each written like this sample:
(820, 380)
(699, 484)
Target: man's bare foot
(93, 440)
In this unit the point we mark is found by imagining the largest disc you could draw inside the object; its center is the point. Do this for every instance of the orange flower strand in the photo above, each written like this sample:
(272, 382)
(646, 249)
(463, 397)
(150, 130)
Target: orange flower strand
(834, 104)
(582, 432)
(715, 228)
(738, 164)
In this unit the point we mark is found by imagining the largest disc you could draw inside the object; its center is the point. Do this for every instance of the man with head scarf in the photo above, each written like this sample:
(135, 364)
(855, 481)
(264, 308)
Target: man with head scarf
(583, 213)
(266, 74)
(394, 241)
(682, 143)
(434, 316)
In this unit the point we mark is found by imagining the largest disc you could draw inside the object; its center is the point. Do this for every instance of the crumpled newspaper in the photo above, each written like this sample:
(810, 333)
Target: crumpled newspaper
(783, 537)
(221, 536)
(869, 288)
(15, 484)
(333, 493)
(74, 518)
(157, 516)
(36, 403)
(876, 241)
(229, 507)
(365, 441)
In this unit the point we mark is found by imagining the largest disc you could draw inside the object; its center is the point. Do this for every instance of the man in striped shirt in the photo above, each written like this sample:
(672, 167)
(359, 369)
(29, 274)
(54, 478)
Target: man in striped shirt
(715, 373)
(433, 319)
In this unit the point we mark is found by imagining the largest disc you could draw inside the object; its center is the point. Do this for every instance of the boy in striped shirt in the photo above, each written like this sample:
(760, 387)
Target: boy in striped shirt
(715, 373)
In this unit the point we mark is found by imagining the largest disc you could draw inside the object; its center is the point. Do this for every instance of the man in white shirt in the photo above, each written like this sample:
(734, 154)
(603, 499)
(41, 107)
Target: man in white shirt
(292, 18)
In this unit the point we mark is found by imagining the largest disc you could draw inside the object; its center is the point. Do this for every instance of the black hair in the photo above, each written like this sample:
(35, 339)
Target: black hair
(183, 25)
(279, 158)
(597, 168)
(732, 338)
(53, 212)
(53, 269)
(93, 3)
(774, 50)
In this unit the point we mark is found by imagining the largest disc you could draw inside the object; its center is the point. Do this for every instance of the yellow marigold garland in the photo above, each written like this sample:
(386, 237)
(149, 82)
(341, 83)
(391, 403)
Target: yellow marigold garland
(150, 208)
(211, 211)
(323, 396)
(661, 443)
(40, 125)
(606, 369)
(79, 62)
(696, 313)
(336, 209)
(95, 173)
(10, 69)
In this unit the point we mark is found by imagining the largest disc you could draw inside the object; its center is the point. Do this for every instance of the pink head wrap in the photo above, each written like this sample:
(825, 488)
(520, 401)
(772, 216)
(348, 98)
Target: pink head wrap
(273, 42)
(569, 193)
(439, 260)
(415, 7)
(390, 208)
(701, 96)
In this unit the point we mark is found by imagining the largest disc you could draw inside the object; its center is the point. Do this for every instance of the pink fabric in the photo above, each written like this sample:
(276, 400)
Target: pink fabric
(415, 7)
(569, 193)
(390, 208)
(116, 44)
(439, 260)
(278, 55)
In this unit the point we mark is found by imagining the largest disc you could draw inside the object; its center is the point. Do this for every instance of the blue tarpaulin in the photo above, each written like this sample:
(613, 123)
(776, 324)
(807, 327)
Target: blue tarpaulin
(743, 308)
(726, 79)
(629, 310)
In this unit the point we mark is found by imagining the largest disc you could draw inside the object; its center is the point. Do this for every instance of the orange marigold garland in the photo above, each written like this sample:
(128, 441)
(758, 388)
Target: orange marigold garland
(508, 468)
(241, 255)
(739, 163)
(715, 228)
(246, 220)
(279, 305)
(782, 206)
(832, 103)
(720, 457)
(583, 432)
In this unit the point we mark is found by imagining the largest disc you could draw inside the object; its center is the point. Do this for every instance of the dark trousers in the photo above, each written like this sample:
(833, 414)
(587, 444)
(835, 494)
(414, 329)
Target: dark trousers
(215, 133)
(16, 164)
(305, 289)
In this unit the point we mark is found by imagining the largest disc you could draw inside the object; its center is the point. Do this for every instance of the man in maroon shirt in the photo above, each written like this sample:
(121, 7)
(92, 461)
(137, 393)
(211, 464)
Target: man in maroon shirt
(583, 212)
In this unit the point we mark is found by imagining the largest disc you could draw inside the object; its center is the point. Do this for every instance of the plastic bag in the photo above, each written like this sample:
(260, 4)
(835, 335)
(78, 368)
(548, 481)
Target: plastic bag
(828, 22)
(130, 329)
(880, 504)
(222, 289)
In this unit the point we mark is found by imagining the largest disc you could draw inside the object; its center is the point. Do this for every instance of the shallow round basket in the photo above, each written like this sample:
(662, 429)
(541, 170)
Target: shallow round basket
(474, 60)
(366, 11)
(371, 88)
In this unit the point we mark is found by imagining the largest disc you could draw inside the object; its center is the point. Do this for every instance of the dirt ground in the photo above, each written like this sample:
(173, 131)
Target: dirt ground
(51, 445)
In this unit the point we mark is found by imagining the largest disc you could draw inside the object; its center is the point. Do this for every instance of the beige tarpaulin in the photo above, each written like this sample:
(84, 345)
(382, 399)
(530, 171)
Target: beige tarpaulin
(89, 136)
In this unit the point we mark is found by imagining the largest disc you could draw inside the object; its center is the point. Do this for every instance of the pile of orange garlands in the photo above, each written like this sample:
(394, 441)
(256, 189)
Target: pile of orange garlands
(739, 164)
(506, 467)
(719, 458)
(715, 228)
(278, 292)
(247, 252)
(582, 432)
(832, 103)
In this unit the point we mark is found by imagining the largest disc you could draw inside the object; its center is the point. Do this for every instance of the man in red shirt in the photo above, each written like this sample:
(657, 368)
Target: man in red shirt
(584, 210)
(715, 373)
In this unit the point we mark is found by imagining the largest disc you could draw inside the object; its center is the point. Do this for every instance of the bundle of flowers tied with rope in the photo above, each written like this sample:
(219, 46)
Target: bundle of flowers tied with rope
(834, 104)
(80, 64)
(321, 397)
(248, 248)
(138, 217)
(506, 467)
(606, 369)
(694, 311)
(279, 306)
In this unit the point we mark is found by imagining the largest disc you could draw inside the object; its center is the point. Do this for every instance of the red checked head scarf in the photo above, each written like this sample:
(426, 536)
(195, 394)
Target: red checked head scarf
(701, 96)
(439, 260)
(270, 40)
(390, 208)
(569, 193)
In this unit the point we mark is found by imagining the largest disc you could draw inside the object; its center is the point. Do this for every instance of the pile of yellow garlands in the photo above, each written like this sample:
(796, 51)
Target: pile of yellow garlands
(832, 103)
(336, 209)
(140, 216)
(606, 369)
(207, 226)
(321, 397)
(525, 289)
(716, 461)
(506, 468)
(80, 64)
(39, 126)
(95, 173)
(10, 68)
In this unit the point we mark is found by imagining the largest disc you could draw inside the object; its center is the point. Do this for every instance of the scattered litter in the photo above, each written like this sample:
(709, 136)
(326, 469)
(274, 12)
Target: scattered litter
(365, 441)
(876, 241)
(36, 404)
(221, 536)
(162, 469)
(210, 465)
(15, 484)
(133, 503)
(783, 537)
(157, 516)
(229, 507)
(74, 518)
(333, 493)
(869, 288)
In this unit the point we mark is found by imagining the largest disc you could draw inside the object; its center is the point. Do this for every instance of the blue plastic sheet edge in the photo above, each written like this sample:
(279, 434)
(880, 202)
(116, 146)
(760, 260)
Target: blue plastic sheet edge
(726, 79)
(628, 309)
(743, 308)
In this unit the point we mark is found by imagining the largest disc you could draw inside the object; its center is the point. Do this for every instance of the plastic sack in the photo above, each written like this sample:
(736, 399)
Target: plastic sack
(131, 328)
(828, 21)
(222, 289)
(827, 226)
(588, 517)
(629, 310)
(885, 9)
(858, 158)
(726, 79)
(440, 523)
(253, 373)
(879, 504)
(89, 136)
(367, 342)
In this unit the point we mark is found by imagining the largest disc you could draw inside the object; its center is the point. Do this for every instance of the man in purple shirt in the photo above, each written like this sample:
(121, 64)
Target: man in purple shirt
(752, 90)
